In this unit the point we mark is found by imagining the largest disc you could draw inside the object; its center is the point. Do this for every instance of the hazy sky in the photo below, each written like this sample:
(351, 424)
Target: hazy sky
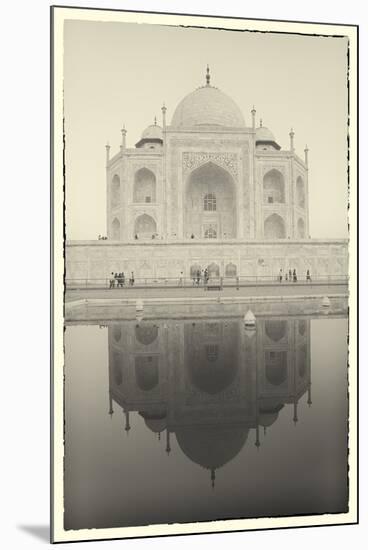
(119, 73)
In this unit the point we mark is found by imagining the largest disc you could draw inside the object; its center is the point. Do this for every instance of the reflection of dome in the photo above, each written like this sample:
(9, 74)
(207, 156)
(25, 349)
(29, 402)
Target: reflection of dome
(207, 105)
(269, 415)
(156, 422)
(146, 334)
(211, 446)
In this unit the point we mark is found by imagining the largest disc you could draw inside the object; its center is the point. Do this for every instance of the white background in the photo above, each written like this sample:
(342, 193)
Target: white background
(25, 181)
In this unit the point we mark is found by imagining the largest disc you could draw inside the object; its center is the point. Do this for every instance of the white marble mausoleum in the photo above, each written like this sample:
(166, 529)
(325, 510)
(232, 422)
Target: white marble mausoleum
(208, 189)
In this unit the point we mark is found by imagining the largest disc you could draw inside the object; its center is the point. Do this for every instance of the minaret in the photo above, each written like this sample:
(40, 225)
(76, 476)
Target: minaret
(208, 77)
(253, 111)
(163, 109)
(306, 151)
(107, 152)
(291, 134)
(123, 138)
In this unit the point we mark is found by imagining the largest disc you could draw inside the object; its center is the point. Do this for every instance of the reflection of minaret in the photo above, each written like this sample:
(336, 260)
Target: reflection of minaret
(213, 477)
(127, 424)
(168, 448)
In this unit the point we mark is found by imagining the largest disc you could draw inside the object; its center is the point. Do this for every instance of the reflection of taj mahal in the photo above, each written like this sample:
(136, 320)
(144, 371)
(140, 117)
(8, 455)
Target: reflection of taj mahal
(207, 175)
(207, 189)
(211, 384)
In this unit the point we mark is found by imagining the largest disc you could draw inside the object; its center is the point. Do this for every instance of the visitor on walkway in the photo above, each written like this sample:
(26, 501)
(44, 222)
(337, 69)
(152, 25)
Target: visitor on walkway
(206, 276)
(309, 278)
(294, 276)
(192, 236)
(198, 277)
(181, 278)
(290, 276)
(112, 280)
(286, 277)
(280, 275)
(131, 280)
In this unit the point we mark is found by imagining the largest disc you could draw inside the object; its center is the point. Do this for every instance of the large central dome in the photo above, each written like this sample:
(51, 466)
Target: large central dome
(207, 105)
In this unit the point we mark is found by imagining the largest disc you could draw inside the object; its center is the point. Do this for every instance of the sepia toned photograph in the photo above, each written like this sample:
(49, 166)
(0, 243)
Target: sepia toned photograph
(204, 269)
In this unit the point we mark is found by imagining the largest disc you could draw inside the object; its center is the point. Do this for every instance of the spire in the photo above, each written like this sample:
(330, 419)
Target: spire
(163, 109)
(291, 135)
(306, 151)
(253, 111)
(295, 419)
(123, 138)
(107, 152)
(208, 77)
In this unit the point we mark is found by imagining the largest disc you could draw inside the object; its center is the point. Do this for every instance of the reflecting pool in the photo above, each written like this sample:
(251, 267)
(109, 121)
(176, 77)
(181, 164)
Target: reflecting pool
(200, 419)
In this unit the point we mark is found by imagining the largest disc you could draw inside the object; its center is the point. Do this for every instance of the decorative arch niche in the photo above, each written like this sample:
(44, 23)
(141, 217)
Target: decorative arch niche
(115, 227)
(146, 372)
(144, 186)
(301, 228)
(145, 226)
(274, 227)
(273, 187)
(300, 192)
(115, 191)
(210, 203)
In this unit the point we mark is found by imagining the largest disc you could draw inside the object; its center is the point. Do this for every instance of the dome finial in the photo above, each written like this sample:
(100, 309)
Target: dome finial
(155, 121)
(208, 77)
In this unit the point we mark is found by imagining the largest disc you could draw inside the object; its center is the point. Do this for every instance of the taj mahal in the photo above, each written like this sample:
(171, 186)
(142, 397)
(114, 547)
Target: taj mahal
(208, 189)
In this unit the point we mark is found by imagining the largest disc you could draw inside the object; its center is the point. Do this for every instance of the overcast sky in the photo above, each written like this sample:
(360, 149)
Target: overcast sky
(119, 73)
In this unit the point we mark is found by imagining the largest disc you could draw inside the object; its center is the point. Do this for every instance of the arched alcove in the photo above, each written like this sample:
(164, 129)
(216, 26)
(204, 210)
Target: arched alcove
(116, 330)
(276, 367)
(146, 371)
(275, 330)
(144, 186)
(210, 203)
(145, 226)
(274, 227)
(115, 229)
(301, 229)
(146, 334)
(300, 192)
(230, 270)
(273, 187)
(115, 191)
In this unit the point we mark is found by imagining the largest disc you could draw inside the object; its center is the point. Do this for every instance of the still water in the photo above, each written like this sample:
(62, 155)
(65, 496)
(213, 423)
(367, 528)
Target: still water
(199, 419)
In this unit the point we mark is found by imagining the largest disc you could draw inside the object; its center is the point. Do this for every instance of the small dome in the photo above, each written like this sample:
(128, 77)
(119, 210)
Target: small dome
(207, 106)
(154, 131)
(264, 134)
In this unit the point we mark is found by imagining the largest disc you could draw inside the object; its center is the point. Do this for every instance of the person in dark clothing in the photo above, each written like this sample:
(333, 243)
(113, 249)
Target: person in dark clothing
(198, 277)
(280, 276)
(309, 278)
(290, 276)
(112, 280)
(132, 279)
(294, 276)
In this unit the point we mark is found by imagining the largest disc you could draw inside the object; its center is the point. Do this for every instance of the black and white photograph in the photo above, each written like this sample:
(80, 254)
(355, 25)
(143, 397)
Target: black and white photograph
(204, 241)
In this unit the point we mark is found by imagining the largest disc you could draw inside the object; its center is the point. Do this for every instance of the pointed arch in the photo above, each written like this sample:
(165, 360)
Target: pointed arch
(273, 187)
(230, 270)
(274, 227)
(144, 186)
(145, 226)
(300, 192)
(115, 191)
(115, 230)
(301, 229)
